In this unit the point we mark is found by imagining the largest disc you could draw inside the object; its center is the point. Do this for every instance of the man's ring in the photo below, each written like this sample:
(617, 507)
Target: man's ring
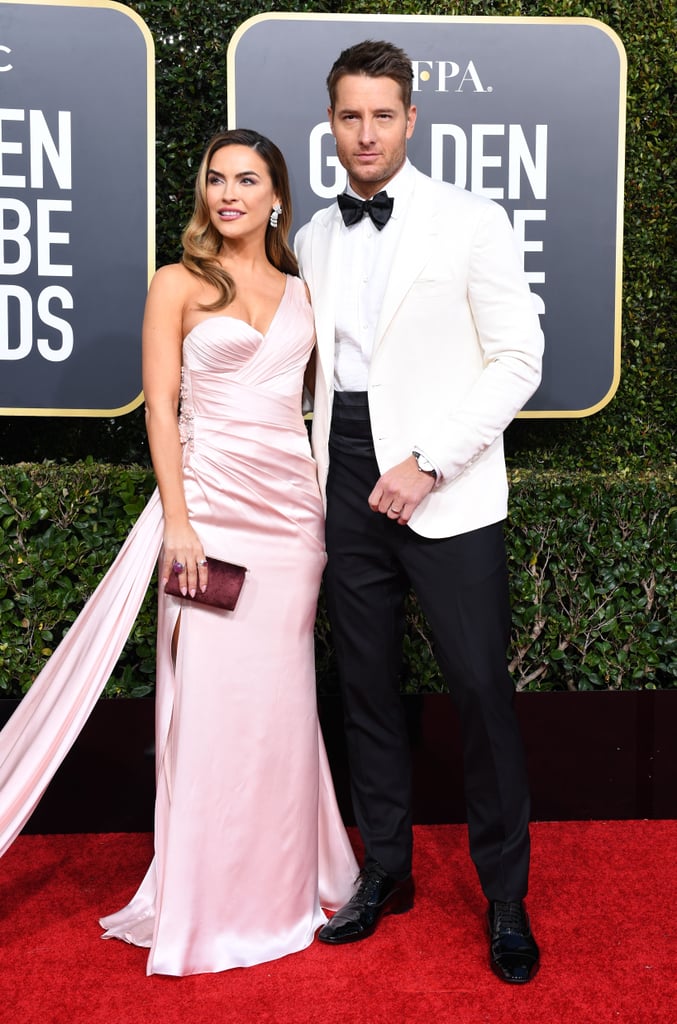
(178, 567)
(395, 511)
(203, 562)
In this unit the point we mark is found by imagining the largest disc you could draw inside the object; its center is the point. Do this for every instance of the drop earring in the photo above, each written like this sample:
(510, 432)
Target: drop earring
(274, 217)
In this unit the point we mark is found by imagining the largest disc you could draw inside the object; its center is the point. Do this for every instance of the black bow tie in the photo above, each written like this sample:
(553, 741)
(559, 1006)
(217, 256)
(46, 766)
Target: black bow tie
(379, 208)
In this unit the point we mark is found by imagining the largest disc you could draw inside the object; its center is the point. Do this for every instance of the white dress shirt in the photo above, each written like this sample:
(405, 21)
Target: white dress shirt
(366, 257)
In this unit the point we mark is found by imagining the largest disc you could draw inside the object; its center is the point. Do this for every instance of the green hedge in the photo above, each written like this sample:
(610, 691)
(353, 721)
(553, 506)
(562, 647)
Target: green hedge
(590, 555)
(60, 529)
(591, 505)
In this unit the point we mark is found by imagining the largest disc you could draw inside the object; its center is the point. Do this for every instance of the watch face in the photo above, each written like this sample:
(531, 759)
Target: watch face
(424, 464)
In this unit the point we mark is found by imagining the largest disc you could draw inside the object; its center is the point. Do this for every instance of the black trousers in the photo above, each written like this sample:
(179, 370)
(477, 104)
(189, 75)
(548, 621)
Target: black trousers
(462, 587)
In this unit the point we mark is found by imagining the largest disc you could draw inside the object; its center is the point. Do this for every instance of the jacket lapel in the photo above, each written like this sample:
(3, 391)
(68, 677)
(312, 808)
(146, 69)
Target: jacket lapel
(413, 250)
(323, 285)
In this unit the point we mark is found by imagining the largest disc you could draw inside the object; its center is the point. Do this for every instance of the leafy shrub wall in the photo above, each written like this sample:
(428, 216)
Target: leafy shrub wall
(60, 529)
(591, 505)
(591, 576)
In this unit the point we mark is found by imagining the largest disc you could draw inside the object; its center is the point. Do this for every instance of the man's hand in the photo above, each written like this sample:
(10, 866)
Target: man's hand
(401, 490)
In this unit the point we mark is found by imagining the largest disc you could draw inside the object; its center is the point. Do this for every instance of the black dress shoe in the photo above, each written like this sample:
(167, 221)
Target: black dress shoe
(512, 948)
(377, 894)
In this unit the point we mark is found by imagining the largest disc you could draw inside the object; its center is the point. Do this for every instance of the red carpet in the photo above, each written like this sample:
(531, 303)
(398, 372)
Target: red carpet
(602, 906)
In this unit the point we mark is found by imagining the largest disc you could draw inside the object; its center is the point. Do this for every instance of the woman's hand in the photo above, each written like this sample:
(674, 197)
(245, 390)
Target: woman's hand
(184, 555)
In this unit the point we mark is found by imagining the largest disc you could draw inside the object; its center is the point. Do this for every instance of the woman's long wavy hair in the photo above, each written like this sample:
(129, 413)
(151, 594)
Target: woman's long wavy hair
(202, 242)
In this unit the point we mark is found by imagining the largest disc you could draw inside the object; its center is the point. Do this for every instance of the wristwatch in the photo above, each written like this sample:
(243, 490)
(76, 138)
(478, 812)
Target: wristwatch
(424, 465)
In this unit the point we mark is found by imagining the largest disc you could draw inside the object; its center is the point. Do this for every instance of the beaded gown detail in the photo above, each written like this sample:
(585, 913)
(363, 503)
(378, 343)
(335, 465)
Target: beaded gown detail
(249, 844)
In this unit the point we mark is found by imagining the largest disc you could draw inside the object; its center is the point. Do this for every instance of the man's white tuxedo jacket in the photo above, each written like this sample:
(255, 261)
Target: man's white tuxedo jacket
(456, 355)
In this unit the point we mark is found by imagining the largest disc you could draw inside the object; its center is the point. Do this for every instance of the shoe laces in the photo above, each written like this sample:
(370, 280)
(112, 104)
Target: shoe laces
(510, 917)
(368, 882)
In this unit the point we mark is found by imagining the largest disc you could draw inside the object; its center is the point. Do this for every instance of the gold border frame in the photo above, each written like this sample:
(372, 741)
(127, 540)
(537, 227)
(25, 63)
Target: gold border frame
(150, 113)
(504, 20)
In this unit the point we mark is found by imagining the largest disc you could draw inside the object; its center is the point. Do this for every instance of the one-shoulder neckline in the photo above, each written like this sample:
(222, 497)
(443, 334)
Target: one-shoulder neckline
(239, 320)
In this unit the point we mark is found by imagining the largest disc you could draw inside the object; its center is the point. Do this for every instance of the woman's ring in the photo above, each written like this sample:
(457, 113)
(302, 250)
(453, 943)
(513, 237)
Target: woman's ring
(178, 567)
(203, 562)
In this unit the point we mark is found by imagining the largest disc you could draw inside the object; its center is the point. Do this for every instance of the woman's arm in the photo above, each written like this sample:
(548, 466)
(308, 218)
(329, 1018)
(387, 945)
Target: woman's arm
(162, 341)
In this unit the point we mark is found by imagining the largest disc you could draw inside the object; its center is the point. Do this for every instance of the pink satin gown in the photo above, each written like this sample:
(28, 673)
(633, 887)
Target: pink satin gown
(249, 844)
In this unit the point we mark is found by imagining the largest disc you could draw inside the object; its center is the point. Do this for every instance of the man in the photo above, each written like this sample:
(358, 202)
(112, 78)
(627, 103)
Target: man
(428, 345)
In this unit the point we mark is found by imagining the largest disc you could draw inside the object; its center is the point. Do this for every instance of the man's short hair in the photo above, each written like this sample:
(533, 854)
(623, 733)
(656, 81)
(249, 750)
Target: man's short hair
(376, 60)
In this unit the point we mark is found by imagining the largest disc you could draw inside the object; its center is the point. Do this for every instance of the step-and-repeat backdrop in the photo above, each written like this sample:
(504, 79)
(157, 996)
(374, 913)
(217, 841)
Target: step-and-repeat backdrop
(76, 206)
(527, 111)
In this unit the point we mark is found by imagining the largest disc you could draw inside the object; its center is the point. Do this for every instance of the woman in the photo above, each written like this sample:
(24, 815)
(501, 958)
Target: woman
(248, 840)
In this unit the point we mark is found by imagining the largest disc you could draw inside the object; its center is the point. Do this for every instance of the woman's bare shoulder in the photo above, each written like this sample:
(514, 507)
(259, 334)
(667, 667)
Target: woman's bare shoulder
(173, 275)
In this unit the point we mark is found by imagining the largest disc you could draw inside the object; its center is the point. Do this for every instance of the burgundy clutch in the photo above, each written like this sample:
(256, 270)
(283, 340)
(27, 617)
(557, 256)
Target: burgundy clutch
(223, 585)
